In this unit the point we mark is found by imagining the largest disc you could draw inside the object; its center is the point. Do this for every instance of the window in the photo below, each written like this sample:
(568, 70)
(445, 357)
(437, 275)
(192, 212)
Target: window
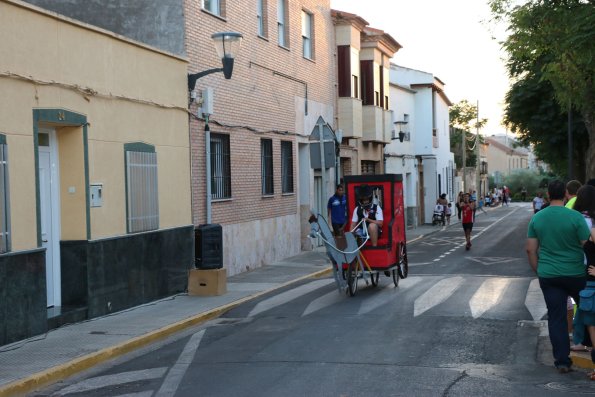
(142, 206)
(266, 163)
(307, 34)
(262, 18)
(344, 70)
(220, 167)
(286, 167)
(355, 87)
(4, 198)
(368, 167)
(214, 6)
(282, 28)
(367, 77)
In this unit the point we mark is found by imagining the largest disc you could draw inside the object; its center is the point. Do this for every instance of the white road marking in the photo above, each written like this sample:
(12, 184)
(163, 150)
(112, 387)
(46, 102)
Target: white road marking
(176, 373)
(387, 294)
(487, 296)
(288, 296)
(324, 301)
(439, 292)
(534, 301)
(491, 260)
(113, 380)
(419, 264)
(148, 393)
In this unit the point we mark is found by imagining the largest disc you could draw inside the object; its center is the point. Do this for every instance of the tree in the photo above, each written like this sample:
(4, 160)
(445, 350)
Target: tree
(463, 118)
(557, 36)
(532, 112)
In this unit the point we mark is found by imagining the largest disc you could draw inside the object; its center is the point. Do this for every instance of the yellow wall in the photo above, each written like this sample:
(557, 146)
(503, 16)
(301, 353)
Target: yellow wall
(128, 92)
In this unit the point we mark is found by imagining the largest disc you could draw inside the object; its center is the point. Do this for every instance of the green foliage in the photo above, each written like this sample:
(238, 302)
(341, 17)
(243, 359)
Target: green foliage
(554, 40)
(531, 180)
(463, 119)
(463, 116)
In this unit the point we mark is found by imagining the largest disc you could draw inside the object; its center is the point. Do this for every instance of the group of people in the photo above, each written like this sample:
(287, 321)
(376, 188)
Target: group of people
(561, 251)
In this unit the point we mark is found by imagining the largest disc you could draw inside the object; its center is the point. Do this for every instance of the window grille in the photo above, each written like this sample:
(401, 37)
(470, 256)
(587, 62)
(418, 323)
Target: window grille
(142, 192)
(266, 149)
(307, 34)
(368, 167)
(286, 167)
(220, 167)
(4, 201)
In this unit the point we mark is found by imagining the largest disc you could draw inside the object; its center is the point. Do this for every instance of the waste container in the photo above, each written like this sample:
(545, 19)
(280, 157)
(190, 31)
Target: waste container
(208, 246)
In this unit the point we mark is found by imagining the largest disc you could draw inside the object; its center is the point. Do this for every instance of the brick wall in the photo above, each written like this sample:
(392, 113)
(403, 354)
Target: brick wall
(258, 101)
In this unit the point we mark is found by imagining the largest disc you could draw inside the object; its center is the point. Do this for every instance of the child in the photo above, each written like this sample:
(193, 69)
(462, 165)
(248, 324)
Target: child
(448, 213)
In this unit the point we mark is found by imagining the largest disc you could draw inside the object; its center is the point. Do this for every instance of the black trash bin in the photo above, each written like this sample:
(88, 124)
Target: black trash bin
(208, 246)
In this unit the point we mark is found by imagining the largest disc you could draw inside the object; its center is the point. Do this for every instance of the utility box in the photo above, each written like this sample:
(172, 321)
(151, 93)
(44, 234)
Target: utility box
(207, 282)
(208, 246)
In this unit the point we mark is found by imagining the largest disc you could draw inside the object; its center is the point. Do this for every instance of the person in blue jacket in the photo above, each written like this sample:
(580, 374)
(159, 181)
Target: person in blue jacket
(337, 209)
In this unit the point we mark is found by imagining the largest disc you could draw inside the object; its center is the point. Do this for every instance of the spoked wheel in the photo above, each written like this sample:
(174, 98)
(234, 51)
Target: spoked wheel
(395, 277)
(374, 277)
(403, 263)
(352, 278)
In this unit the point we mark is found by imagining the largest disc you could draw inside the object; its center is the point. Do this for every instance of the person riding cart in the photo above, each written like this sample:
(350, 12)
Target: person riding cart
(370, 212)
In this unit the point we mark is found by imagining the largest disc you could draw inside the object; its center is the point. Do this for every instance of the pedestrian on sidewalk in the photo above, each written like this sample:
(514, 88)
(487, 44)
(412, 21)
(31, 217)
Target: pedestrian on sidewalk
(538, 202)
(572, 188)
(337, 211)
(448, 213)
(467, 209)
(585, 321)
(555, 240)
(480, 203)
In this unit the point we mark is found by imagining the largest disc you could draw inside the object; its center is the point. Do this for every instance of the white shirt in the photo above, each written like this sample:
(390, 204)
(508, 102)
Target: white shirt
(379, 216)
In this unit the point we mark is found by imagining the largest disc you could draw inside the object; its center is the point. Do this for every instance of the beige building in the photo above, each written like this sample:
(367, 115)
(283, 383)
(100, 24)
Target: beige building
(94, 169)
(363, 65)
(504, 157)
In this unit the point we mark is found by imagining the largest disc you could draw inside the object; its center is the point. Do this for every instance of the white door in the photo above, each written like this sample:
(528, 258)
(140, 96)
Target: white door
(49, 205)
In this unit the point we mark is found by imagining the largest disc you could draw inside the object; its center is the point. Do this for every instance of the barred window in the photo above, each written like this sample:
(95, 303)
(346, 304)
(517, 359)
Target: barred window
(220, 167)
(266, 162)
(142, 207)
(4, 198)
(286, 167)
(368, 167)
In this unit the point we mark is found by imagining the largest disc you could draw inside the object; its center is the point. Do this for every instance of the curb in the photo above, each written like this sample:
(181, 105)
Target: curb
(582, 360)
(55, 374)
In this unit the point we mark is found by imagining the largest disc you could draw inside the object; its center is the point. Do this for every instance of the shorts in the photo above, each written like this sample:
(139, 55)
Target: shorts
(338, 228)
(468, 226)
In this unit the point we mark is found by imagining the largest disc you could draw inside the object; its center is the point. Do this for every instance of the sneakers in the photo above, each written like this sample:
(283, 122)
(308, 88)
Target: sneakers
(563, 369)
(468, 246)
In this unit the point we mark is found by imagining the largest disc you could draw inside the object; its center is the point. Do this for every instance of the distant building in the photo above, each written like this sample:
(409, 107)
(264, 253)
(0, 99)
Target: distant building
(504, 156)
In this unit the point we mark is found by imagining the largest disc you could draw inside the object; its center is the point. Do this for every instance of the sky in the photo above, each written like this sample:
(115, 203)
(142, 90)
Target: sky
(451, 39)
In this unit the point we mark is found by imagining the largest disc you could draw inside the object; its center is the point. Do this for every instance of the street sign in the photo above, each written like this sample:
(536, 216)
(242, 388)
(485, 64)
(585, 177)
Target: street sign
(329, 145)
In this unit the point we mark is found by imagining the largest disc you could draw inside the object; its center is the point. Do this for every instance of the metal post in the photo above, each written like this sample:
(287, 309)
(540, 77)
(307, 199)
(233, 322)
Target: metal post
(322, 164)
(208, 166)
(477, 162)
(464, 137)
(570, 144)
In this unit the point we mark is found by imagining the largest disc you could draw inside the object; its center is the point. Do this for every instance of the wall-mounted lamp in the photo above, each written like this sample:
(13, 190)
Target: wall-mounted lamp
(400, 123)
(227, 45)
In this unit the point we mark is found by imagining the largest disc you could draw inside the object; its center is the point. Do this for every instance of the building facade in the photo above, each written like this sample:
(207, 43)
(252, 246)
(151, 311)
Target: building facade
(96, 209)
(363, 94)
(429, 136)
(504, 157)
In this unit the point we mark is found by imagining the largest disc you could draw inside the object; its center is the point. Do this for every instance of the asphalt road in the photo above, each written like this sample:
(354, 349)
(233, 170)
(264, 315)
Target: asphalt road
(461, 324)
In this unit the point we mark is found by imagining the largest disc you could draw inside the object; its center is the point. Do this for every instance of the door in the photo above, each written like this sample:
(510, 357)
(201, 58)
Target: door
(49, 206)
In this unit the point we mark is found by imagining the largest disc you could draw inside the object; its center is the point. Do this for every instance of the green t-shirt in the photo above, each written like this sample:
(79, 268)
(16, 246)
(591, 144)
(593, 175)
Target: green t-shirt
(559, 231)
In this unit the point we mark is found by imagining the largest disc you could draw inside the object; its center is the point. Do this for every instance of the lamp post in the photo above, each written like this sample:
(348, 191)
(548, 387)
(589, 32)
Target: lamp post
(227, 45)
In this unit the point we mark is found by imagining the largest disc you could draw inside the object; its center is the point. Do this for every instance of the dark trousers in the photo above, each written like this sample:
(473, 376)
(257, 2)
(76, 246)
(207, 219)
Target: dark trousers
(556, 291)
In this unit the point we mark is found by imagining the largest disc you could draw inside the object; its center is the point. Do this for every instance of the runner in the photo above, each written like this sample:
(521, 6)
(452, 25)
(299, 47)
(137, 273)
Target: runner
(467, 209)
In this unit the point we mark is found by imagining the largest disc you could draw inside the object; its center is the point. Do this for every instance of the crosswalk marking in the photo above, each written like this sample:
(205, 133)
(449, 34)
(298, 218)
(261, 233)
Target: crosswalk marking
(287, 296)
(324, 301)
(113, 380)
(387, 294)
(487, 296)
(534, 301)
(437, 294)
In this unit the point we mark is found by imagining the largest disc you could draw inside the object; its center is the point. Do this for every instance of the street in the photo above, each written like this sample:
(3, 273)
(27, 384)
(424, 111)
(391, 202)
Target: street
(464, 323)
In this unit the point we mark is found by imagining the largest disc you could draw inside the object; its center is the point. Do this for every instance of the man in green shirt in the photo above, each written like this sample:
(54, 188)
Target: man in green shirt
(555, 242)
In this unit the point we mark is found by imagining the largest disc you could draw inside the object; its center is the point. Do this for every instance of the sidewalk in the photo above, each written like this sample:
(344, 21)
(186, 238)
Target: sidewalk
(45, 359)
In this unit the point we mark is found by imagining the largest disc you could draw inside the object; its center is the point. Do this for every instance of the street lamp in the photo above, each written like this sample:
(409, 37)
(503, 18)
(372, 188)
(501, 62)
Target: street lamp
(400, 123)
(227, 45)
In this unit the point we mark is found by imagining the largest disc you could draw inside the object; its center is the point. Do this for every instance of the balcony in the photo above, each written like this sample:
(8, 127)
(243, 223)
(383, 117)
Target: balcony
(377, 124)
(350, 117)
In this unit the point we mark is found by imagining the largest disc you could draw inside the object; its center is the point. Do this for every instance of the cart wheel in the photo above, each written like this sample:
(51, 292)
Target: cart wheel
(395, 277)
(374, 277)
(403, 263)
(352, 278)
